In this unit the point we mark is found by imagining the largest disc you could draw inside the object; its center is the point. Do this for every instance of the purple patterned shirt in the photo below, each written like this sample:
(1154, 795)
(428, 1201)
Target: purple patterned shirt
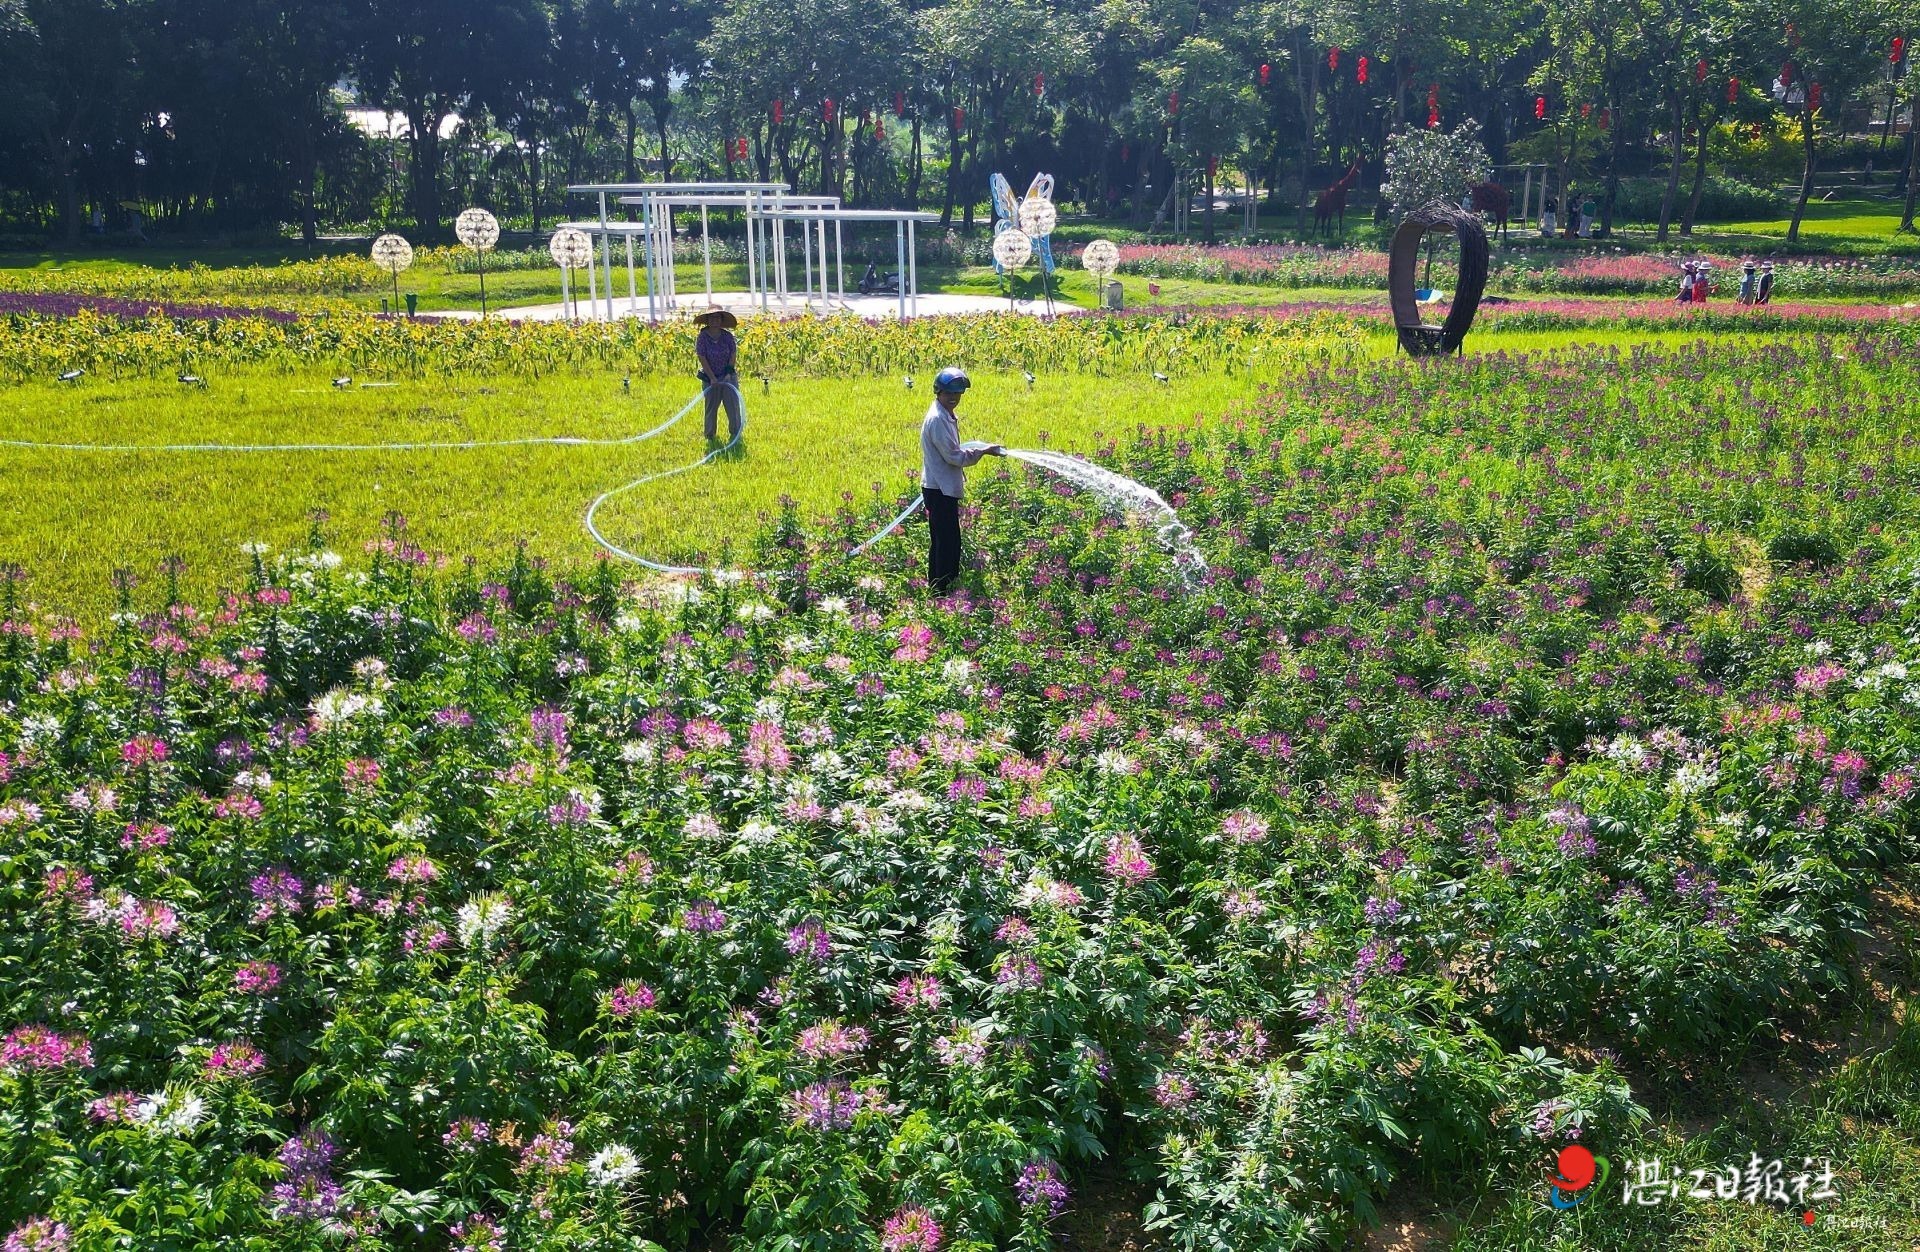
(715, 348)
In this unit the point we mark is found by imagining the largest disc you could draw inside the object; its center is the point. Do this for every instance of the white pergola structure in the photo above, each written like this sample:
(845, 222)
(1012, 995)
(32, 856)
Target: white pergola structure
(768, 209)
(813, 222)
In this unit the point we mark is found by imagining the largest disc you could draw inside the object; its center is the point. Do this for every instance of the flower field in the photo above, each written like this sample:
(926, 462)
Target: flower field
(1539, 733)
(1547, 271)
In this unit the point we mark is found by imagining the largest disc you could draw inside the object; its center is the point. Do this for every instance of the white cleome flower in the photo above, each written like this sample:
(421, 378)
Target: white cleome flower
(637, 751)
(338, 707)
(482, 918)
(755, 612)
(759, 833)
(171, 1112)
(832, 606)
(612, 1166)
(1114, 761)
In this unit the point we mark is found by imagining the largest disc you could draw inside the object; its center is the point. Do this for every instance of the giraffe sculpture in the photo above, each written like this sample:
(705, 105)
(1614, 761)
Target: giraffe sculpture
(1333, 201)
(1495, 201)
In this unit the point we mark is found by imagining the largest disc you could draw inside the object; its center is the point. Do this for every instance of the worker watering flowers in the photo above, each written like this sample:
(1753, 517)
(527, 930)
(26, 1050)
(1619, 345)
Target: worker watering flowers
(943, 474)
(716, 349)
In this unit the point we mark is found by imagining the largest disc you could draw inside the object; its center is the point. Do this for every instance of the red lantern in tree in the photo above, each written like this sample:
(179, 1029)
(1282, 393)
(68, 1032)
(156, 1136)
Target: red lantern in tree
(1586, 111)
(826, 110)
(1039, 84)
(959, 119)
(1333, 58)
(1899, 52)
(1700, 70)
(1539, 108)
(1786, 74)
(1266, 73)
(779, 111)
(740, 148)
(899, 104)
(1173, 104)
(1360, 71)
(1433, 106)
(1756, 130)
(1606, 118)
(1813, 98)
(1733, 90)
(879, 129)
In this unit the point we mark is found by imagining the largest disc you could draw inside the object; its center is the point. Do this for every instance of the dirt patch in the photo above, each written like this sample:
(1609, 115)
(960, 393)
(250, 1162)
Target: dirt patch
(1408, 1223)
(1106, 1216)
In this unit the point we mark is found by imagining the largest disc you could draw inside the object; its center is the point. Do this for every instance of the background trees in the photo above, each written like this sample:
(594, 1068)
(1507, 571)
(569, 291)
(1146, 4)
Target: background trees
(233, 115)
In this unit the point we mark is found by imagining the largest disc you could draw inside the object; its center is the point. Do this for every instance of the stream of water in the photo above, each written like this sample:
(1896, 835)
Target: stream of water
(1135, 500)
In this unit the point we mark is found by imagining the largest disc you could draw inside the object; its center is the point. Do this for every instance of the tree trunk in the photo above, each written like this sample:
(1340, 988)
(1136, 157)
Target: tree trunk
(953, 169)
(423, 147)
(660, 117)
(61, 155)
(1208, 157)
(916, 165)
(1674, 150)
(1614, 152)
(1309, 80)
(533, 179)
(1699, 175)
(633, 142)
(1806, 177)
(1913, 160)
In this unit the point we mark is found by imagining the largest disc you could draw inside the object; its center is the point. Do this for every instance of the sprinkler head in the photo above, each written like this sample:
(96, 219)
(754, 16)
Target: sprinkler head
(909, 382)
(1159, 377)
(1028, 375)
(341, 384)
(766, 385)
(72, 376)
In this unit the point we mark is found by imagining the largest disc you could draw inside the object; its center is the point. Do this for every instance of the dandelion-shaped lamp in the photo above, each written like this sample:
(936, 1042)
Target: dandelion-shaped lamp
(1037, 218)
(1100, 259)
(393, 254)
(570, 250)
(1012, 248)
(479, 230)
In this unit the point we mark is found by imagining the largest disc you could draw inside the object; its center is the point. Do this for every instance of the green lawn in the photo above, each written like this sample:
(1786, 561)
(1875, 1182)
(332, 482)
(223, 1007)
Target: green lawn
(1855, 219)
(78, 516)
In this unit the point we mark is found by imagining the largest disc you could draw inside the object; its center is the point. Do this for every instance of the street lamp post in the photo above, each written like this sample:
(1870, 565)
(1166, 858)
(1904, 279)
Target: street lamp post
(393, 254)
(478, 230)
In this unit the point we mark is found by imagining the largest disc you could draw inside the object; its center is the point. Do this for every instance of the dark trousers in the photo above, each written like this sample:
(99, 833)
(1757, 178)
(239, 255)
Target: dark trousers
(943, 554)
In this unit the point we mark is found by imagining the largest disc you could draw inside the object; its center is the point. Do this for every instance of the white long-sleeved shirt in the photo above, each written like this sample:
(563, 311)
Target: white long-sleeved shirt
(943, 462)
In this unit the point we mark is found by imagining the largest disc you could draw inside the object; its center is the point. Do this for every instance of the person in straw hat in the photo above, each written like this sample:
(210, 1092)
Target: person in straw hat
(716, 349)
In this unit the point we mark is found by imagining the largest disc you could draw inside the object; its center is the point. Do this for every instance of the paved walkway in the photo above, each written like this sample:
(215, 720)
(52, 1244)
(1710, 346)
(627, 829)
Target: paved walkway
(874, 308)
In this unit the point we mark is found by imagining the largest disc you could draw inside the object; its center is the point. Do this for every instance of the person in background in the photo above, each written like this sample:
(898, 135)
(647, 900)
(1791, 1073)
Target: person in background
(1765, 294)
(716, 350)
(1588, 210)
(1573, 217)
(1702, 283)
(1749, 282)
(1548, 218)
(944, 461)
(1688, 273)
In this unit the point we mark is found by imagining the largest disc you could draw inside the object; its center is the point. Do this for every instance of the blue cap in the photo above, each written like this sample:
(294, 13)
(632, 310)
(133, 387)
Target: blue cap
(953, 379)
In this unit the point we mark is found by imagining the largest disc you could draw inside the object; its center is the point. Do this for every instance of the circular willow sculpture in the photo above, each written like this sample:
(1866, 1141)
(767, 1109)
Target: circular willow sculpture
(1417, 337)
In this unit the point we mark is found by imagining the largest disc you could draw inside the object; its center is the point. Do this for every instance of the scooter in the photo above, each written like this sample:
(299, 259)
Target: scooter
(874, 283)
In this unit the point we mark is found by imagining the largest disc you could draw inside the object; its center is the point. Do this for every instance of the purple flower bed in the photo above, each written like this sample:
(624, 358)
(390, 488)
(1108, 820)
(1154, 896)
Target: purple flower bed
(66, 305)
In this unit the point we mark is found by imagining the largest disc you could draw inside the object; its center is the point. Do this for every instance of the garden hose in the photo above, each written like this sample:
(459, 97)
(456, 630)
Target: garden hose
(616, 550)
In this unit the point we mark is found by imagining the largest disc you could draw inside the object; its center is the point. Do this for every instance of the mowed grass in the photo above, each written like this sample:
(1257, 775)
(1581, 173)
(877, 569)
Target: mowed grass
(78, 516)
